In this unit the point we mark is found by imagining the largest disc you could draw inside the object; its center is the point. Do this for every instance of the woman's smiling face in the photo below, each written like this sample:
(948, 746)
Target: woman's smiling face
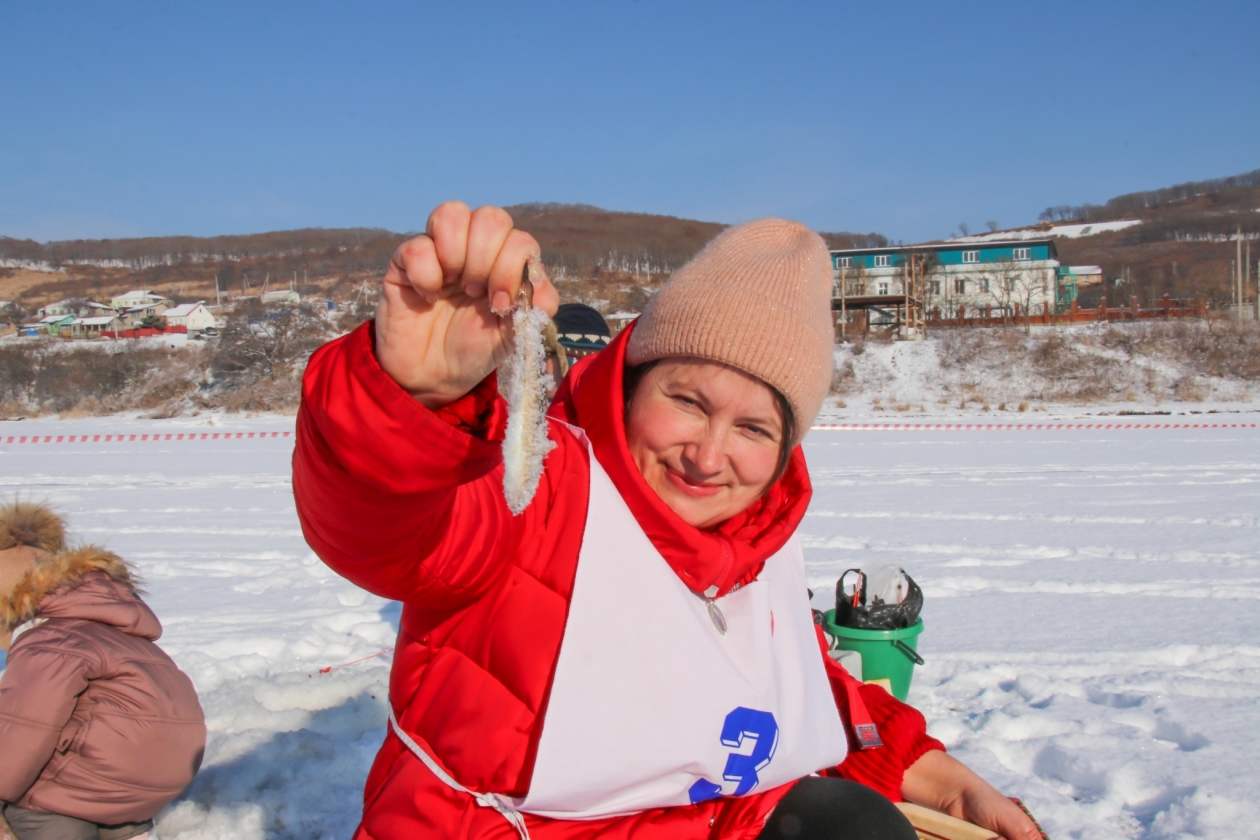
(705, 437)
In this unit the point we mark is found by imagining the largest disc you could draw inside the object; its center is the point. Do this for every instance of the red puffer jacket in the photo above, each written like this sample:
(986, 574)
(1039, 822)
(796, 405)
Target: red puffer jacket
(408, 503)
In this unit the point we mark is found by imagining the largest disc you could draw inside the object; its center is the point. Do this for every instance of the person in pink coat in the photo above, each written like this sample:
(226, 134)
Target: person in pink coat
(633, 656)
(99, 729)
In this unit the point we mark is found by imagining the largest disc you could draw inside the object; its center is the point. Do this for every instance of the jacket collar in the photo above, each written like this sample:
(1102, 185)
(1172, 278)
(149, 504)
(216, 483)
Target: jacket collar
(733, 552)
(87, 582)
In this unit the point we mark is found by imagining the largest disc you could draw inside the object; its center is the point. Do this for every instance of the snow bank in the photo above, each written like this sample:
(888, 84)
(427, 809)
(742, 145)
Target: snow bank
(1085, 368)
(1091, 625)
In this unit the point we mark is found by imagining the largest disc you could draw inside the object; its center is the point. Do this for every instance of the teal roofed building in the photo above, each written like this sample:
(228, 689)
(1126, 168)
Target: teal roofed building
(54, 324)
(965, 276)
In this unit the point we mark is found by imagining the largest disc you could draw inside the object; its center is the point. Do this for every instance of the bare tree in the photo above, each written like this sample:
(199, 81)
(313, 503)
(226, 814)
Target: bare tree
(992, 226)
(934, 280)
(1012, 284)
(265, 342)
(13, 313)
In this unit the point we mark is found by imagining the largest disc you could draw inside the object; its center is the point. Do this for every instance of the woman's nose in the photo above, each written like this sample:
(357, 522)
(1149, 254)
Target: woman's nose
(707, 455)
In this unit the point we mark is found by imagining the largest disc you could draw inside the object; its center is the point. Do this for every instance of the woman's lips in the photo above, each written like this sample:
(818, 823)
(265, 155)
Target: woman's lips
(698, 491)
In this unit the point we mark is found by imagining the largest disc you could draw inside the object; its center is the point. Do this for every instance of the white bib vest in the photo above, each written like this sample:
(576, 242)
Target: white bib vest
(651, 706)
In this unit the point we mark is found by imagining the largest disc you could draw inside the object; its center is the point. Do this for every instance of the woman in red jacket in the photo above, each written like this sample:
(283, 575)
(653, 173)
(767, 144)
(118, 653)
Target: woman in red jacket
(633, 655)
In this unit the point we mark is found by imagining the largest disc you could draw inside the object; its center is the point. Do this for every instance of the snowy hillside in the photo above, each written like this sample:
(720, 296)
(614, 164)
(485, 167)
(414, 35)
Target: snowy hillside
(1063, 371)
(1092, 633)
(1066, 231)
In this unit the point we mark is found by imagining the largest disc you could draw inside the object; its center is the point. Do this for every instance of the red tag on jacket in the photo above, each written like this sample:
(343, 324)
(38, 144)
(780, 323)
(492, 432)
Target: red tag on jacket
(865, 729)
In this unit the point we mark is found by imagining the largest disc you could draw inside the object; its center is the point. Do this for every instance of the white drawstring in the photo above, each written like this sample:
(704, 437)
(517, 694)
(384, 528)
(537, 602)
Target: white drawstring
(486, 800)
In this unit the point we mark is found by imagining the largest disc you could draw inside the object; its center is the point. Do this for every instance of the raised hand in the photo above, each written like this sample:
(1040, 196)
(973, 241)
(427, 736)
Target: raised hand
(438, 325)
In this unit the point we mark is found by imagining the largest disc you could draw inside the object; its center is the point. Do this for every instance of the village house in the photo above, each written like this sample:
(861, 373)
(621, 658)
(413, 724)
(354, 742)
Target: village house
(77, 308)
(192, 316)
(139, 297)
(65, 307)
(54, 324)
(92, 309)
(1000, 277)
(281, 296)
(1071, 278)
(94, 326)
(136, 314)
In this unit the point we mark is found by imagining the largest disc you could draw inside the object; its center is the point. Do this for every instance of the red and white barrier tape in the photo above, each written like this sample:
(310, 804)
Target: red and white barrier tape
(832, 427)
(127, 438)
(1022, 427)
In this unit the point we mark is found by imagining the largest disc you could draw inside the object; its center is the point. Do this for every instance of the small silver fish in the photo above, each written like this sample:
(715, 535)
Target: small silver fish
(526, 444)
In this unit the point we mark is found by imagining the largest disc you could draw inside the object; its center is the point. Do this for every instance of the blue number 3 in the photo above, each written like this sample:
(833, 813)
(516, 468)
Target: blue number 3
(740, 724)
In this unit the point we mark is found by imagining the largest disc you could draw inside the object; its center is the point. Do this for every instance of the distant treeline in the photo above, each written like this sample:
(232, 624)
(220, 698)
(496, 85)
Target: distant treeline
(578, 238)
(842, 241)
(147, 252)
(1231, 194)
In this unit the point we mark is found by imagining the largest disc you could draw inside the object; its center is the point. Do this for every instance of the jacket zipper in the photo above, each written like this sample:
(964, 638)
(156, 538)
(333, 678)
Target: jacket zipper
(715, 612)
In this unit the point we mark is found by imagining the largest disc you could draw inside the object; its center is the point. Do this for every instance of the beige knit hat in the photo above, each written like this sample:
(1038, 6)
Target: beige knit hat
(757, 298)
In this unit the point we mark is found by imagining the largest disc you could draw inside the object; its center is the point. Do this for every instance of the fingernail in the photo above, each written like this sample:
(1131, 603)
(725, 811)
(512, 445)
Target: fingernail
(431, 297)
(474, 289)
(501, 302)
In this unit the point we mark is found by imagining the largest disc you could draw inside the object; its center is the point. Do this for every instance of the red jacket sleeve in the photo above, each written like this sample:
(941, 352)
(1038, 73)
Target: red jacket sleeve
(401, 500)
(901, 727)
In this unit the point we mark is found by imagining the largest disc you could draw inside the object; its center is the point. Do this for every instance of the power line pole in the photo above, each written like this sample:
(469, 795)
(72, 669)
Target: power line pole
(1247, 275)
(1233, 282)
(844, 308)
(1238, 271)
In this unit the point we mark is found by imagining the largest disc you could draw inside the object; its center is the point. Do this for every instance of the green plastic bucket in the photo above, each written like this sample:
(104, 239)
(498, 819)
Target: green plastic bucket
(886, 654)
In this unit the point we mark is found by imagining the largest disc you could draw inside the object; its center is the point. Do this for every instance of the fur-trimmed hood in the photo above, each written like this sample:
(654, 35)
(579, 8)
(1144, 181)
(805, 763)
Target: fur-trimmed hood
(33, 524)
(87, 582)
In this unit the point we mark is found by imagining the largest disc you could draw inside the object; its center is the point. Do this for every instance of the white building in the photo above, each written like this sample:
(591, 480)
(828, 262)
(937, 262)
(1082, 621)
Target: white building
(136, 314)
(92, 309)
(54, 324)
(960, 276)
(282, 296)
(77, 308)
(139, 297)
(93, 327)
(193, 316)
(65, 307)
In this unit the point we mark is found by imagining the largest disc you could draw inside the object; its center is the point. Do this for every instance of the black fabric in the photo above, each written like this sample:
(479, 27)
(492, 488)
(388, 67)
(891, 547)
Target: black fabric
(36, 825)
(819, 808)
(878, 616)
(580, 319)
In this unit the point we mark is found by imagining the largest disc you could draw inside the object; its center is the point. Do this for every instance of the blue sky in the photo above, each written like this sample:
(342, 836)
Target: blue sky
(136, 119)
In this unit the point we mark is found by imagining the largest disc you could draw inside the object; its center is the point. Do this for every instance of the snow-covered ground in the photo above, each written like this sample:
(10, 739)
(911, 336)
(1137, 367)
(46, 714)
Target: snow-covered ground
(1092, 641)
(1087, 370)
(1092, 634)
